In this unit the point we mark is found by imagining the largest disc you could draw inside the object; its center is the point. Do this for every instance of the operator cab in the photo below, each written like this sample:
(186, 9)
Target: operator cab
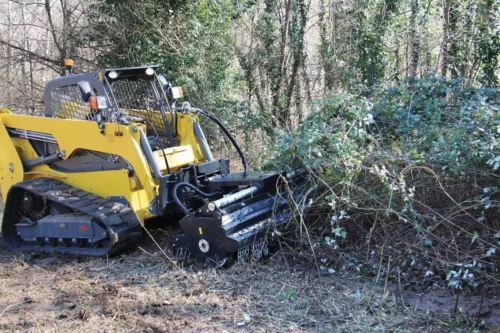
(119, 95)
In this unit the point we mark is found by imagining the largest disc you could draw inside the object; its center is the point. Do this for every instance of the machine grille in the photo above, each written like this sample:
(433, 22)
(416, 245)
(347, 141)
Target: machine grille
(67, 103)
(141, 98)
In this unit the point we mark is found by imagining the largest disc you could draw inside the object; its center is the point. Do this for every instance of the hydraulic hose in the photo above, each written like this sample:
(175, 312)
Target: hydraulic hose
(191, 186)
(212, 117)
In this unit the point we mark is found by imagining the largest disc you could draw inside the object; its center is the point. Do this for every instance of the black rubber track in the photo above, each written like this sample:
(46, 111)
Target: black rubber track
(121, 223)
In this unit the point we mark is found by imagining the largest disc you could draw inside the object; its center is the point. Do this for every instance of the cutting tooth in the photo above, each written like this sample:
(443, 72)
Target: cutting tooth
(257, 249)
(265, 247)
(244, 254)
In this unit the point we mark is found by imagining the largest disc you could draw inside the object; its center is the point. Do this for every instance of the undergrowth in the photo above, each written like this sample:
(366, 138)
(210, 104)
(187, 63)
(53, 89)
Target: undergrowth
(405, 182)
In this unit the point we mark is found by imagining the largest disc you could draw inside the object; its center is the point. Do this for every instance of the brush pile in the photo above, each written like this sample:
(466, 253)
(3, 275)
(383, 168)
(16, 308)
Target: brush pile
(406, 181)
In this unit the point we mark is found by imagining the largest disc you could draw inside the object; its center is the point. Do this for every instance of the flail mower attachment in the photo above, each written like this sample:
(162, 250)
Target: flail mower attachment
(236, 225)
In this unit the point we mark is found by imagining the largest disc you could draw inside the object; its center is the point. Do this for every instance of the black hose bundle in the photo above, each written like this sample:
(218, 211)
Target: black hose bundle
(216, 120)
(191, 186)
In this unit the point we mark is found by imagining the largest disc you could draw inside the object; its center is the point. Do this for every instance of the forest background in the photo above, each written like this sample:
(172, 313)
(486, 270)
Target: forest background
(392, 106)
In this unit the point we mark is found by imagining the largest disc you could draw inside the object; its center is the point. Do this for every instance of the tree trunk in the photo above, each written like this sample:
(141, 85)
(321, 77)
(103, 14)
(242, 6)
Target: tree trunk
(57, 42)
(457, 49)
(9, 52)
(490, 45)
(276, 93)
(297, 59)
(325, 49)
(414, 38)
(444, 47)
(26, 57)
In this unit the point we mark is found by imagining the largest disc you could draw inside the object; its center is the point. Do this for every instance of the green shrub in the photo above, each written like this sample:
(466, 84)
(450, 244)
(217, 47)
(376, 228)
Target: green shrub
(441, 121)
(407, 173)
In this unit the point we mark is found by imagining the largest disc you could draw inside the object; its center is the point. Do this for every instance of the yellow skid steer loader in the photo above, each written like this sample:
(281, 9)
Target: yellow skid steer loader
(113, 151)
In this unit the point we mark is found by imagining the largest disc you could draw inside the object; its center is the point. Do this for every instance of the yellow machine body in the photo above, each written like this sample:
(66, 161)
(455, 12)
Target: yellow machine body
(139, 188)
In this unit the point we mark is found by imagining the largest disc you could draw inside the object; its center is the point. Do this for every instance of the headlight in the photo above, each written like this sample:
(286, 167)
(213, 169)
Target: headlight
(113, 75)
(150, 71)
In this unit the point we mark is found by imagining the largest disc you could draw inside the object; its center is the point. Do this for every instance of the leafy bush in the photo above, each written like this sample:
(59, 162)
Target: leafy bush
(438, 120)
(405, 173)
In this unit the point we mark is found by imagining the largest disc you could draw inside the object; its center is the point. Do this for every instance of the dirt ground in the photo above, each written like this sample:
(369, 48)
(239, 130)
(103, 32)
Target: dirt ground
(144, 292)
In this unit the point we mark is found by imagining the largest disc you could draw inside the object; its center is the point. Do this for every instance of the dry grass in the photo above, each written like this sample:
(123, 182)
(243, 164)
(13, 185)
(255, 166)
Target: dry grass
(142, 292)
